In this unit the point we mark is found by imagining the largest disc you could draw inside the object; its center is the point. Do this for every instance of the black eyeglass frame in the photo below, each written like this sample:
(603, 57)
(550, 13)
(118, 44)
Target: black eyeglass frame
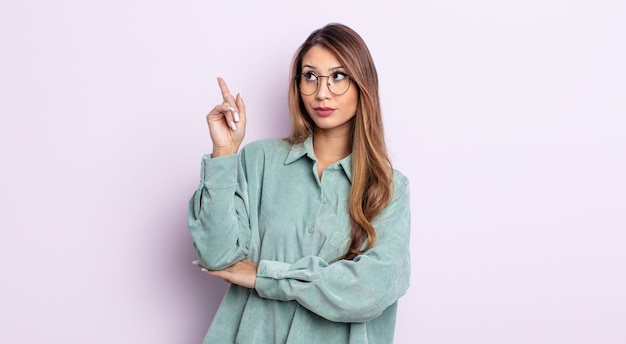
(317, 81)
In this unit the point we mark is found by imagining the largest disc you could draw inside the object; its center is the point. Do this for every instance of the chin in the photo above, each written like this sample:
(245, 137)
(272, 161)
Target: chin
(332, 125)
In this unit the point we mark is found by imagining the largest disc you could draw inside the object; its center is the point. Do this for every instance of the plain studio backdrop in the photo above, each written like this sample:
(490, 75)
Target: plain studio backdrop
(509, 118)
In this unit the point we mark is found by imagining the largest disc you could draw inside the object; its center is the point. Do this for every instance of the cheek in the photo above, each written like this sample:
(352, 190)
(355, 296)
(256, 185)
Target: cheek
(306, 103)
(353, 103)
(307, 100)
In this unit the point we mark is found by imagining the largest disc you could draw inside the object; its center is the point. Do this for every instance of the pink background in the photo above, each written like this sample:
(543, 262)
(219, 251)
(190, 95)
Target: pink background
(509, 117)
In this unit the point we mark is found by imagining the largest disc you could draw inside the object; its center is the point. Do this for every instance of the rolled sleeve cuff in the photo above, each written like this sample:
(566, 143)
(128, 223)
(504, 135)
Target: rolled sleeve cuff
(219, 172)
(269, 276)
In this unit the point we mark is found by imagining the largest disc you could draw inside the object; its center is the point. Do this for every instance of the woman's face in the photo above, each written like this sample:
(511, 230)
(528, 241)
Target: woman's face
(329, 111)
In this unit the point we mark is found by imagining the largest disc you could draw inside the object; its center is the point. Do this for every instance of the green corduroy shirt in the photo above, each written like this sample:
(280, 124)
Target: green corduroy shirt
(267, 204)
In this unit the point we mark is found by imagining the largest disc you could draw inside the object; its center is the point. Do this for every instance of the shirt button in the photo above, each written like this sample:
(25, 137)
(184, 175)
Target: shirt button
(310, 229)
(323, 199)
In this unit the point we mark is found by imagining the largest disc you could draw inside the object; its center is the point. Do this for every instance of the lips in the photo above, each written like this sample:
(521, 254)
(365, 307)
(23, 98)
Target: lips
(324, 111)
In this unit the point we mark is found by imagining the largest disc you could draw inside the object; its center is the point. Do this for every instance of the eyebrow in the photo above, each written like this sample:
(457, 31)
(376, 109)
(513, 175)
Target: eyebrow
(315, 68)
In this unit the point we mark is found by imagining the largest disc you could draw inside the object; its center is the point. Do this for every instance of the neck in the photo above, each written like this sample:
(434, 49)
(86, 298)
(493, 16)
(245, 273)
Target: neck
(331, 146)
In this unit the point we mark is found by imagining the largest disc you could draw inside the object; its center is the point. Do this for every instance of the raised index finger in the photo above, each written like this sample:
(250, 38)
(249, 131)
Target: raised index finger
(228, 97)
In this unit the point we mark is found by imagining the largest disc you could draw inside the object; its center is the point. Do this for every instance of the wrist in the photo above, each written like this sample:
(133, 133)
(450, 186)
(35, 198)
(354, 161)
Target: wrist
(218, 152)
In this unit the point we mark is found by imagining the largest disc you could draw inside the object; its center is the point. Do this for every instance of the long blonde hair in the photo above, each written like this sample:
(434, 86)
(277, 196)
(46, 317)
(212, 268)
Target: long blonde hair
(371, 169)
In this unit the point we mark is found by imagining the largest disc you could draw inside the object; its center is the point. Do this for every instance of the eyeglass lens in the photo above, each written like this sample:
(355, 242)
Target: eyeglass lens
(338, 83)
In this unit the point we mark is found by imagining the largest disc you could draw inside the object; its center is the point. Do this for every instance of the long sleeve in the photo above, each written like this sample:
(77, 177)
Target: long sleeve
(268, 205)
(218, 213)
(349, 291)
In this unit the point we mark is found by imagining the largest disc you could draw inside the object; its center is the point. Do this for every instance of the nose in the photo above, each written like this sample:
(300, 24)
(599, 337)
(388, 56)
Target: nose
(323, 88)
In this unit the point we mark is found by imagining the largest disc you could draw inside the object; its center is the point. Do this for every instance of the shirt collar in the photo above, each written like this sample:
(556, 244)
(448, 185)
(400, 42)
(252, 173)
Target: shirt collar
(297, 151)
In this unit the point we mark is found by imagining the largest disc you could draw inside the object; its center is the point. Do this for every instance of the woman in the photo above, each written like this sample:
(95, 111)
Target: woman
(311, 231)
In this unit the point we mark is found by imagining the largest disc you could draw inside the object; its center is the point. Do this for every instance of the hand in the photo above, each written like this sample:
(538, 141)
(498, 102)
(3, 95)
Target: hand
(227, 122)
(242, 273)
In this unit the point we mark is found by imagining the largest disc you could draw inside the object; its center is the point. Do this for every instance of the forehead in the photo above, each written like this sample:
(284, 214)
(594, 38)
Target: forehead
(320, 58)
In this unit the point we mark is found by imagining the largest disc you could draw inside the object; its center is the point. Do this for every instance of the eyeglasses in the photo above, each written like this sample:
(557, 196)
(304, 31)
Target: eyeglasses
(308, 83)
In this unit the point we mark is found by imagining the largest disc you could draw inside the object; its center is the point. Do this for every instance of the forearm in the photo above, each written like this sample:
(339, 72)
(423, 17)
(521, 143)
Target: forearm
(345, 291)
(217, 216)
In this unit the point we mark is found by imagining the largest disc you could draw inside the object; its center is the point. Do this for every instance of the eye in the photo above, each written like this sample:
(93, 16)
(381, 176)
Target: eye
(339, 76)
(309, 76)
